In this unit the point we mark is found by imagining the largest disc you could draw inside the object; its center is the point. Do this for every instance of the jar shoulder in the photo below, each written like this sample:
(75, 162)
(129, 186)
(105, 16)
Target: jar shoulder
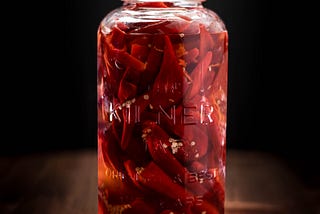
(130, 17)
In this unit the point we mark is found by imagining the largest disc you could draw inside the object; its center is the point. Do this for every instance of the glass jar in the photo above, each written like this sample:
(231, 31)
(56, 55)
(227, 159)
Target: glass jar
(162, 104)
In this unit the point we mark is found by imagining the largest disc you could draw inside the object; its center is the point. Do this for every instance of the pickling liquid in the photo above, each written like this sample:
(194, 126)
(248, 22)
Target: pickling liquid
(162, 103)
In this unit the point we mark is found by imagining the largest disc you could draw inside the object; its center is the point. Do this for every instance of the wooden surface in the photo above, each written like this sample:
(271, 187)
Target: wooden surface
(65, 182)
(258, 183)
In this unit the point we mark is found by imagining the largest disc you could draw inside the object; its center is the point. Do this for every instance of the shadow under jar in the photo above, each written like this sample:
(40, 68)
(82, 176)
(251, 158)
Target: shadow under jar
(162, 105)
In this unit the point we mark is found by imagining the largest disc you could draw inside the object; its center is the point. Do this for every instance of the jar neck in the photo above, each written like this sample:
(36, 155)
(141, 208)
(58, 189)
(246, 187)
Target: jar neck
(185, 3)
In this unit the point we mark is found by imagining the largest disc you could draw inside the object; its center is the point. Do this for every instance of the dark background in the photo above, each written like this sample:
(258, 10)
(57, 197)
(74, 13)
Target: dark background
(272, 84)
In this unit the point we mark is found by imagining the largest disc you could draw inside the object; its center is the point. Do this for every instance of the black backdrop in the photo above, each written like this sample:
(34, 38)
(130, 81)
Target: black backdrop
(272, 83)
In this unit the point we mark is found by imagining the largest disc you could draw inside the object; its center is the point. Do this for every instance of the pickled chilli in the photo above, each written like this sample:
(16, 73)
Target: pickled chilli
(162, 99)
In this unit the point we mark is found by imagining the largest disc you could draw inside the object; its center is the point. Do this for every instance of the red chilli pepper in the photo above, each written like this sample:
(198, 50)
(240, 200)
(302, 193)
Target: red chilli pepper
(140, 52)
(216, 141)
(140, 206)
(153, 64)
(205, 207)
(219, 47)
(196, 166)
(154, 178)
(132, 170)
(144, 40)
(114, 183)
(167, 212)
(112, 70)
(222, 77)
(112, 154)
(173, 126)
(135, 149)
(130, 81)
(152, 4)
(186, 211)
(198, 76)
(118, 38)
(195, 144)
(168, 86)
(216, 196)
(191, 56)
(161, 149)
(128, 123)
(219, 67)
(158, 146)
(127, 90)
(127, 60)
(206, 41)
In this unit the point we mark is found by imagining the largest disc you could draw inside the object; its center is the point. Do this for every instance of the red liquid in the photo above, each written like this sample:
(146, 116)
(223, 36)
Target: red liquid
(162, 95)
